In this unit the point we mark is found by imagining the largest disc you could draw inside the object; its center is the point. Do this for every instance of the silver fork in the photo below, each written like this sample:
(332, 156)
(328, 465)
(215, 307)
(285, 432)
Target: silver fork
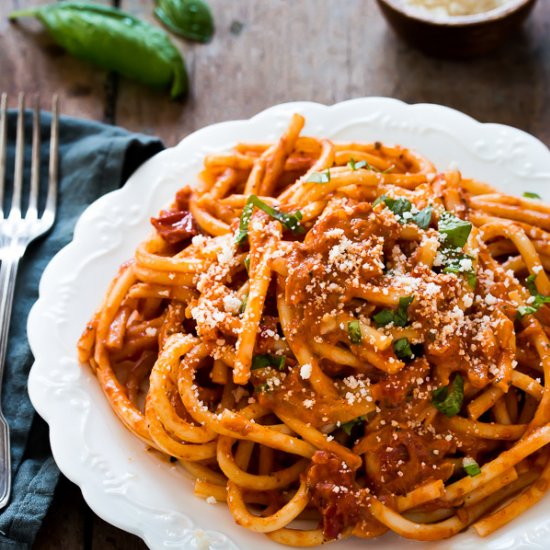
(16, 232)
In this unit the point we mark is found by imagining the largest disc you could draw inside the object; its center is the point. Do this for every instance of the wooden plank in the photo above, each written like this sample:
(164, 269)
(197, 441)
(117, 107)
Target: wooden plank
(63, 526)
(262, 53)
(107, 537)
(35, 64)
(328, 51)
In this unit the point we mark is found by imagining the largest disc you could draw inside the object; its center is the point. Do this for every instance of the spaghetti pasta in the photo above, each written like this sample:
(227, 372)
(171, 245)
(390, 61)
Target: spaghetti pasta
(340, 334)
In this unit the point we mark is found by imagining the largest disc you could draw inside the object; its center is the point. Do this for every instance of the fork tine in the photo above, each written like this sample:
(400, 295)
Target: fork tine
(35, 165)
(19, 159)
(3, 147)
(51, 201)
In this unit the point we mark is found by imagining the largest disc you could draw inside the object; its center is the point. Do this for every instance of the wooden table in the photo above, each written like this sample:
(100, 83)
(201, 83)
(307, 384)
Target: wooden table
(267, 52)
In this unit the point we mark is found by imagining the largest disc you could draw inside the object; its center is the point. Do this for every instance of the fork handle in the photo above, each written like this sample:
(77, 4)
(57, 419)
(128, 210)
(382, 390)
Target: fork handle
(8, 274)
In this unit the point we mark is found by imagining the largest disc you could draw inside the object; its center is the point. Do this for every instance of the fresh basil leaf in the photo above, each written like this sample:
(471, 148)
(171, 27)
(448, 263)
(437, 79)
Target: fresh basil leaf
(354, 332)
(471, 467)
(402, 348)
(243, 304)
(319, 177)
(448, 399)
(268, 360)
(456, 230)
(423, 217)
(530, 195)
(191, 19)
(290, 221)
(348, 426)
(247, 264)
(115, 41)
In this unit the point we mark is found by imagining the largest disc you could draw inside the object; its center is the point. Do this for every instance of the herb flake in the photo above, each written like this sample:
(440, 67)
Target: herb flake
(398, 317)
(402, 348)
(268, 360)
(471, 467)
(354, 332)
(348, 426)
(448, 399)
(319, 177)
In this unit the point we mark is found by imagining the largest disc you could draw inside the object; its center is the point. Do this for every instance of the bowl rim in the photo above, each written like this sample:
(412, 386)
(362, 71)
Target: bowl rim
(498, 13)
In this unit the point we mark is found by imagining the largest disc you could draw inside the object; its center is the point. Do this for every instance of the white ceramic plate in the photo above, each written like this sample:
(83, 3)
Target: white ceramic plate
(122, 482)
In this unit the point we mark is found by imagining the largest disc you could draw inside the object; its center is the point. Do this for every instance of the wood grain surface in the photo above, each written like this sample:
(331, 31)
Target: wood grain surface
(266, 52)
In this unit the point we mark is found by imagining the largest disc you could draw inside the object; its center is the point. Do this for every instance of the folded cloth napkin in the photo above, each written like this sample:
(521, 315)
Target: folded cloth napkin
(94, 159)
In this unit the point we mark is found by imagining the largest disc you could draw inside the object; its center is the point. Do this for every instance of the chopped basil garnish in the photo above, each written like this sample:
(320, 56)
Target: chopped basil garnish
(471, 467)
(243, 304)
(397, 206)
(364, 164)
(402, 348)
(319, 177)
(354, 332)
(531, 195)
(348, 426)
(423, 218)
(268, 360)
(383, 317)
(398, 317)
(247, 263)
(455, 229)
(448, 399)
(460, 263)
(290, 221)
(402, 208)
(537, 303)
(356, 165)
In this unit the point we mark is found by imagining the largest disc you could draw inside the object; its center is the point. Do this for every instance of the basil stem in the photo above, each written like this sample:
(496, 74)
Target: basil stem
(191, 19)
(115, 41)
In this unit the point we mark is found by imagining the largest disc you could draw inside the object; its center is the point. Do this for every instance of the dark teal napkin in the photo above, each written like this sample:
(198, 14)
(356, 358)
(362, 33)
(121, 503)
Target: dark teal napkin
(94, 159)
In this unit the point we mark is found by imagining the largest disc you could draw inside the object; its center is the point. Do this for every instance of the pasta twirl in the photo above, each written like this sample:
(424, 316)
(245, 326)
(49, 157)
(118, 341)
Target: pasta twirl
(338, 333)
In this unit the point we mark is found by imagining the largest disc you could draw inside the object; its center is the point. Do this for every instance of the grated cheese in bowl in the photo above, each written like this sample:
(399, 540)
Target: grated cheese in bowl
(445, 8)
